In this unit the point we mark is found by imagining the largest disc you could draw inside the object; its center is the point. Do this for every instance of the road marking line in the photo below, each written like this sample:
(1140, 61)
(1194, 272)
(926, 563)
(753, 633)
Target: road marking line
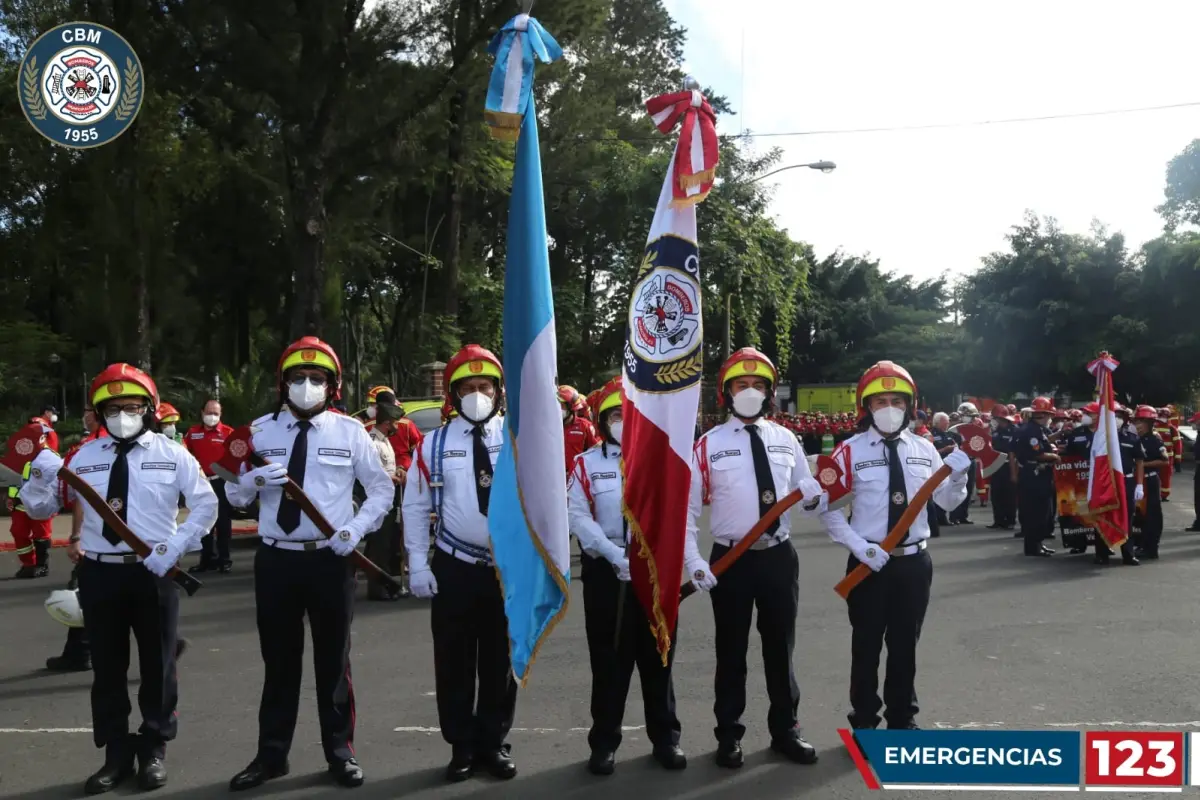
(424, 729)
(45, 730)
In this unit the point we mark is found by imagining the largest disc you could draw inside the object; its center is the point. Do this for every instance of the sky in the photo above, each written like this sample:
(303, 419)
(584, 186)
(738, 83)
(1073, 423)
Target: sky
(932, 202)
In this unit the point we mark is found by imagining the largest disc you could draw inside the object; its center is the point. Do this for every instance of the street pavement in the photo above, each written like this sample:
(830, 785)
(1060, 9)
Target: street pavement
(1009, 642)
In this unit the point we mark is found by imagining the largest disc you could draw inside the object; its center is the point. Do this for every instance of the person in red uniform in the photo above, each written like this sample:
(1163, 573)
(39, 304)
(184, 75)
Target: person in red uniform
(578, 433)
(206, 442)
(32, 536)
(46, 419)
(1162, 426)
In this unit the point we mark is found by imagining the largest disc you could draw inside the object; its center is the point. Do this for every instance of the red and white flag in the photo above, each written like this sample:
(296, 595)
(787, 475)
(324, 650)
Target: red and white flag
(1106, 476)
(664, 361)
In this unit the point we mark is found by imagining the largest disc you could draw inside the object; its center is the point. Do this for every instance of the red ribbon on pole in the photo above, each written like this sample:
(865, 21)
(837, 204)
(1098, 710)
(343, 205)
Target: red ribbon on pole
(696, 154)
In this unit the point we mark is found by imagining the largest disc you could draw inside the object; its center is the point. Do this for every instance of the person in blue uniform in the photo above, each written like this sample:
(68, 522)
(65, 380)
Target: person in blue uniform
(1031, 468)
(1004, 496)
(1133, 456)
(1144, 419)
(944, 443)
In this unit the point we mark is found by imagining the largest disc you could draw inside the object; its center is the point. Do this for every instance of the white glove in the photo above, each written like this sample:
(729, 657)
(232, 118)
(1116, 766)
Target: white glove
(701, 574)
(343, 543)
(810, 489)
(622, 568)
(872, 555)
(1139, 493)
(164, 556)
(45, 467)
(423, 584)
(958, 461)
(271, 474)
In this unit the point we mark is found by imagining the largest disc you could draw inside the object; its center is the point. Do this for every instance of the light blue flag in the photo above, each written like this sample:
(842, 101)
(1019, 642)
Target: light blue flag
(510, 90)
(527, 515)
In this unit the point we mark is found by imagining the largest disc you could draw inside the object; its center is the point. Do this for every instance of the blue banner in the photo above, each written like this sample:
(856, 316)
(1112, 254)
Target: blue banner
(973, 757)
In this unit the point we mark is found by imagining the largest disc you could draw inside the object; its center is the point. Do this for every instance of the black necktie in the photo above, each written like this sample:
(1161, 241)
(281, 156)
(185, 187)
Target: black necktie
(483, 470)
(762, 476)
(897, 491)
(118, 489)
(288, 516)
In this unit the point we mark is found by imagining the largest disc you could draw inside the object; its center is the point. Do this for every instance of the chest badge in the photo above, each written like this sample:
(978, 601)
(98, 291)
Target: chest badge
(897, 498)
(485, 480)
(116, 504)
(767, 498)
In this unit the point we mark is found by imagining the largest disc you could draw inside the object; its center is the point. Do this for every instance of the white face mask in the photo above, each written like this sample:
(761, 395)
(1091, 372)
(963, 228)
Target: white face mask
(169, 431)
(124, 426)
(566, 413)
(1087, 420)
(995, 424)
(912, 426)
(477, 406)
(888, 419)
(211, 420)
(53, 418)
(307, 395)
(748, 403)
(615, 429)
(372, 411)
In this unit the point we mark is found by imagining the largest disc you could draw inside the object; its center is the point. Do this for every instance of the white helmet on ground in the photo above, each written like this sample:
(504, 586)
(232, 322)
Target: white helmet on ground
(63, 605)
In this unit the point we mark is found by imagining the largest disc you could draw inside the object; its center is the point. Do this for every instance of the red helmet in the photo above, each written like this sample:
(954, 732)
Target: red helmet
(1146, 412)
(746, 361)
(885, 377)
(1042, 405)
(609, 396)
(1194, 418)
(122, 380)
(1092, 408)
(569, 397)
(1000, 410)
(1012, 408)
(166, 413)
(472, 361)
(592, 400)
(309, 351)
(1164, 413)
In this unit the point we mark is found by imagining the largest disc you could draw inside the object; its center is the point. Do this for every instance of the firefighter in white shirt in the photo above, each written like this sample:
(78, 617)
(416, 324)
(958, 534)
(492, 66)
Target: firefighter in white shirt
(141, 475)
(452, 489)
(886, 466)
(594, 509)
(741, 468)
(297, 571)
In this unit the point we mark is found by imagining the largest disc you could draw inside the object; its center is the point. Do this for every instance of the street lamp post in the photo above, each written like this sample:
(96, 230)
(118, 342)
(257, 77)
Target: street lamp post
(823, 166)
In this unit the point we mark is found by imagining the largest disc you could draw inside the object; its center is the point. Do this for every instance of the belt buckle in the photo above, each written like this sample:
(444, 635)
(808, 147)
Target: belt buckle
(311, 545)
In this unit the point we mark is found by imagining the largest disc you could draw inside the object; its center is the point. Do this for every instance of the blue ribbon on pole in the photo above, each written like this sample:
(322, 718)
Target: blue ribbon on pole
(519, 42)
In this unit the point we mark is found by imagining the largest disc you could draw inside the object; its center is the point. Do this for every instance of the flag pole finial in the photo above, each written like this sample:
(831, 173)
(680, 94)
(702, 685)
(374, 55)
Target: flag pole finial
(690, 84)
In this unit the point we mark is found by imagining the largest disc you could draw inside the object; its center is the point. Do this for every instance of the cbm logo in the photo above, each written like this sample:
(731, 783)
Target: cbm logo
(81, 85)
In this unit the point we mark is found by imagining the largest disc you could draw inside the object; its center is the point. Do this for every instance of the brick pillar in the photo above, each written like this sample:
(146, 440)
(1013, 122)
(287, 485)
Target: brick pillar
(433, 375)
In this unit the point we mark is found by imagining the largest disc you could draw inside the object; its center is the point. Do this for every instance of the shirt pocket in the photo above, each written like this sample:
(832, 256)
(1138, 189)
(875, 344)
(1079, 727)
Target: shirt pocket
(160, 484)
(336, 471)
(782, 465)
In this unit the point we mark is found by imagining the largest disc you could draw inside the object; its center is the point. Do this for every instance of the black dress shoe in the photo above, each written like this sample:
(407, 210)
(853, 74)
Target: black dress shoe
(257, 774)
(225, 568)
(670, 756)
(109, 777)
(1131, 561)
(498, 763)
(729, 755)
(68, 664)
(152, 773)
(795, 749)
(461, 766)
(200, 568)
(348, 773)
(602, 762)
(1078, 550)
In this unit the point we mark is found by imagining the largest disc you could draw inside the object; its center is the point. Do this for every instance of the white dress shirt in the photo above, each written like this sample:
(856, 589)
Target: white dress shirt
(159, 471)
(460, 500)
(724, 454)
(863, 458)
(387, 456)
(339, 452)
(594, 502)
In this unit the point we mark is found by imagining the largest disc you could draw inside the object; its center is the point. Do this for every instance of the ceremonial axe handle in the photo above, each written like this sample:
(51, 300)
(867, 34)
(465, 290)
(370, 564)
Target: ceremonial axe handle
(82, 488)
(896, 535)
(306, 504)
(726, 561)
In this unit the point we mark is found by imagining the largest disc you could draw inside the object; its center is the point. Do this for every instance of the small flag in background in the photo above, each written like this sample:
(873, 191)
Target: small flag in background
(1106, 476)
(664, 360)
(527, 518)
